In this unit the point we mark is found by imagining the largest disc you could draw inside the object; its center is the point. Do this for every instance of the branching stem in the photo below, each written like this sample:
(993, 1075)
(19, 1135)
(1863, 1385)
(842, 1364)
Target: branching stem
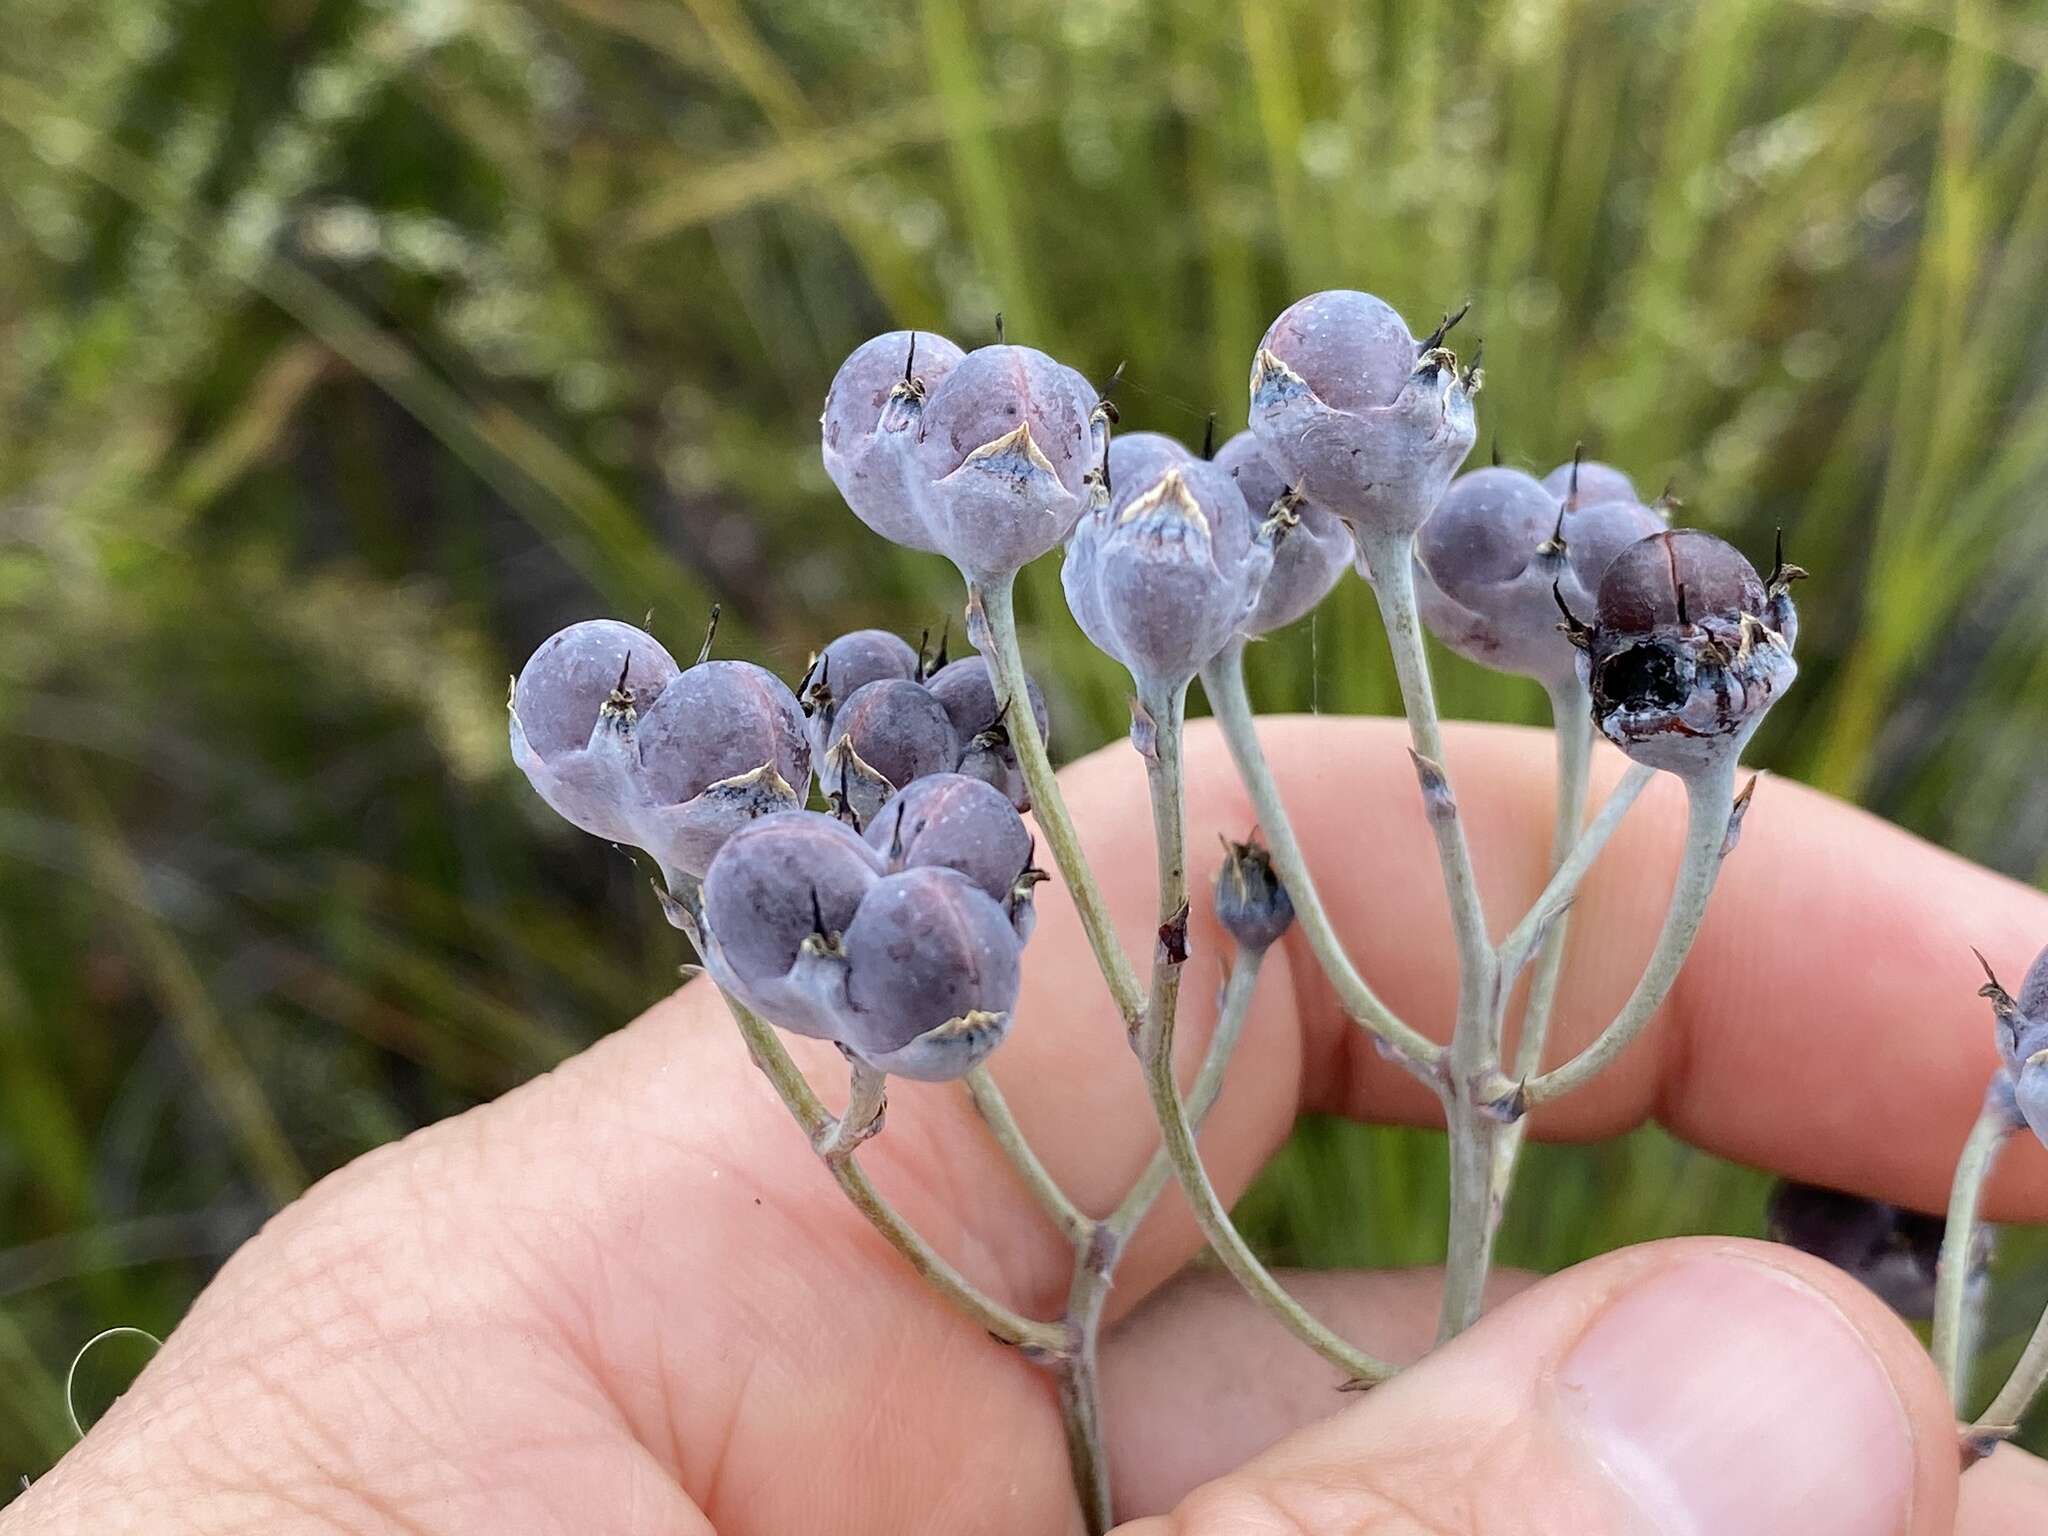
(1223, 681)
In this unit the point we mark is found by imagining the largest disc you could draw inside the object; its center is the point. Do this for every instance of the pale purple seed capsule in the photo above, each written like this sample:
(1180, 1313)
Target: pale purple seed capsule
(777, 901)
(1167, 573)
(722, 745)
(1312, 549)
(886, 735)
(873, 413)
(2030, 1094)
(593, 672)
(843, 668)
(932, 972)
(1499, 552)
(1596, 482)
(1008, 445)
(981, 724)
(955, 822)
(1681, 660)
(1358, 416)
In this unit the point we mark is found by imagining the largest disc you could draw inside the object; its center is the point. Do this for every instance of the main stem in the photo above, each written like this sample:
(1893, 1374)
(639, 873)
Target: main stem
(1952, 1271)
(1571, 719)
(1155, 1045)
(997, 636)
(1474, 1058)
(1223, 681)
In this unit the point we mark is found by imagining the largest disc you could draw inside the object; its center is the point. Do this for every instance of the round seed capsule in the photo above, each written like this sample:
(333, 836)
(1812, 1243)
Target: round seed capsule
(1681, 658)
(598, 672)
(955, 822)
(870, 427)
(885, 735)
(1358, 416)
(966, 690)
(1008, 444)
(722, 745)
(1167, 572)
(844, 667)
(778, 898)
(932, 970)
(1588, 481)
(1499, 552)
(1311, 548)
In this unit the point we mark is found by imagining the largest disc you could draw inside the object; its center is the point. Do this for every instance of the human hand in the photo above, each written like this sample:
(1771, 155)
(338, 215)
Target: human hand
(626, 1298)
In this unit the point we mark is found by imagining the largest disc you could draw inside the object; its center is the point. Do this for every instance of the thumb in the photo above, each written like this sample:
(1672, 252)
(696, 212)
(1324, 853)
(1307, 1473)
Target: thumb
(1686, 1387)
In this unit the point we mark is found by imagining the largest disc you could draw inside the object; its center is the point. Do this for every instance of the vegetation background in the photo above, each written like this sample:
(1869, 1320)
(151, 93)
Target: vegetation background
(349, 347)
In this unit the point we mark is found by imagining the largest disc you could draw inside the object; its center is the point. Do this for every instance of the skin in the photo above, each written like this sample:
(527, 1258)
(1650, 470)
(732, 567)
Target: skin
(625, 1298)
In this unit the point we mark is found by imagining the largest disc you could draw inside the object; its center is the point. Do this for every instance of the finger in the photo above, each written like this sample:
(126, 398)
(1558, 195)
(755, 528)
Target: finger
(2006, 1495)
(1688, 1386)
(1199, 1379)
(1193, 1386)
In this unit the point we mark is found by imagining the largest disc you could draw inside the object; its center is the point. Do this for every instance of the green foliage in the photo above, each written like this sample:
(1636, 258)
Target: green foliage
(352, 347)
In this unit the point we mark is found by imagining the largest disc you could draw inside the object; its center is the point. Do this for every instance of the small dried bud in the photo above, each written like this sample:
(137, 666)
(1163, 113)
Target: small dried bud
(1680, 658)
(2022, 1026)
(1892, 1251)
(1251, 903)
(1359, 417)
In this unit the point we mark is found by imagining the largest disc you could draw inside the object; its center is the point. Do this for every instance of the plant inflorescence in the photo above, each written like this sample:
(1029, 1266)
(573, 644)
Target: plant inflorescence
(894, 920)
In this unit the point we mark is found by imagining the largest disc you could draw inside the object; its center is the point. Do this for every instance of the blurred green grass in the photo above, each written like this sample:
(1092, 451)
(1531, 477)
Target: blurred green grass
(350, 347)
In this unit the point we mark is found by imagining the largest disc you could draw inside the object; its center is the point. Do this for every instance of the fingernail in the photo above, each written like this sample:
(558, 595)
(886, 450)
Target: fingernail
(1725, 1396)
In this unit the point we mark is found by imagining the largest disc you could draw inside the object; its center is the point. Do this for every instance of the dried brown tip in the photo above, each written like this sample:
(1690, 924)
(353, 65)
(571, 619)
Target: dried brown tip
(710, 631)
(2002, 1001)
(1575, 630)
(1445, 327)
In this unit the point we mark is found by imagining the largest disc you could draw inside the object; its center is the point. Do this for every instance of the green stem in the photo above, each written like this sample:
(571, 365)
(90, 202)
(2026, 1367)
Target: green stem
(1006, 658)
(1223, 681)
(1045, 1189)
(1952, 1272)
(1237, 997)
(2001, 1421)
(1049, 1341)
(1710, 798)
(1563, 888)
(1571, 719)
(1155, 1042)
